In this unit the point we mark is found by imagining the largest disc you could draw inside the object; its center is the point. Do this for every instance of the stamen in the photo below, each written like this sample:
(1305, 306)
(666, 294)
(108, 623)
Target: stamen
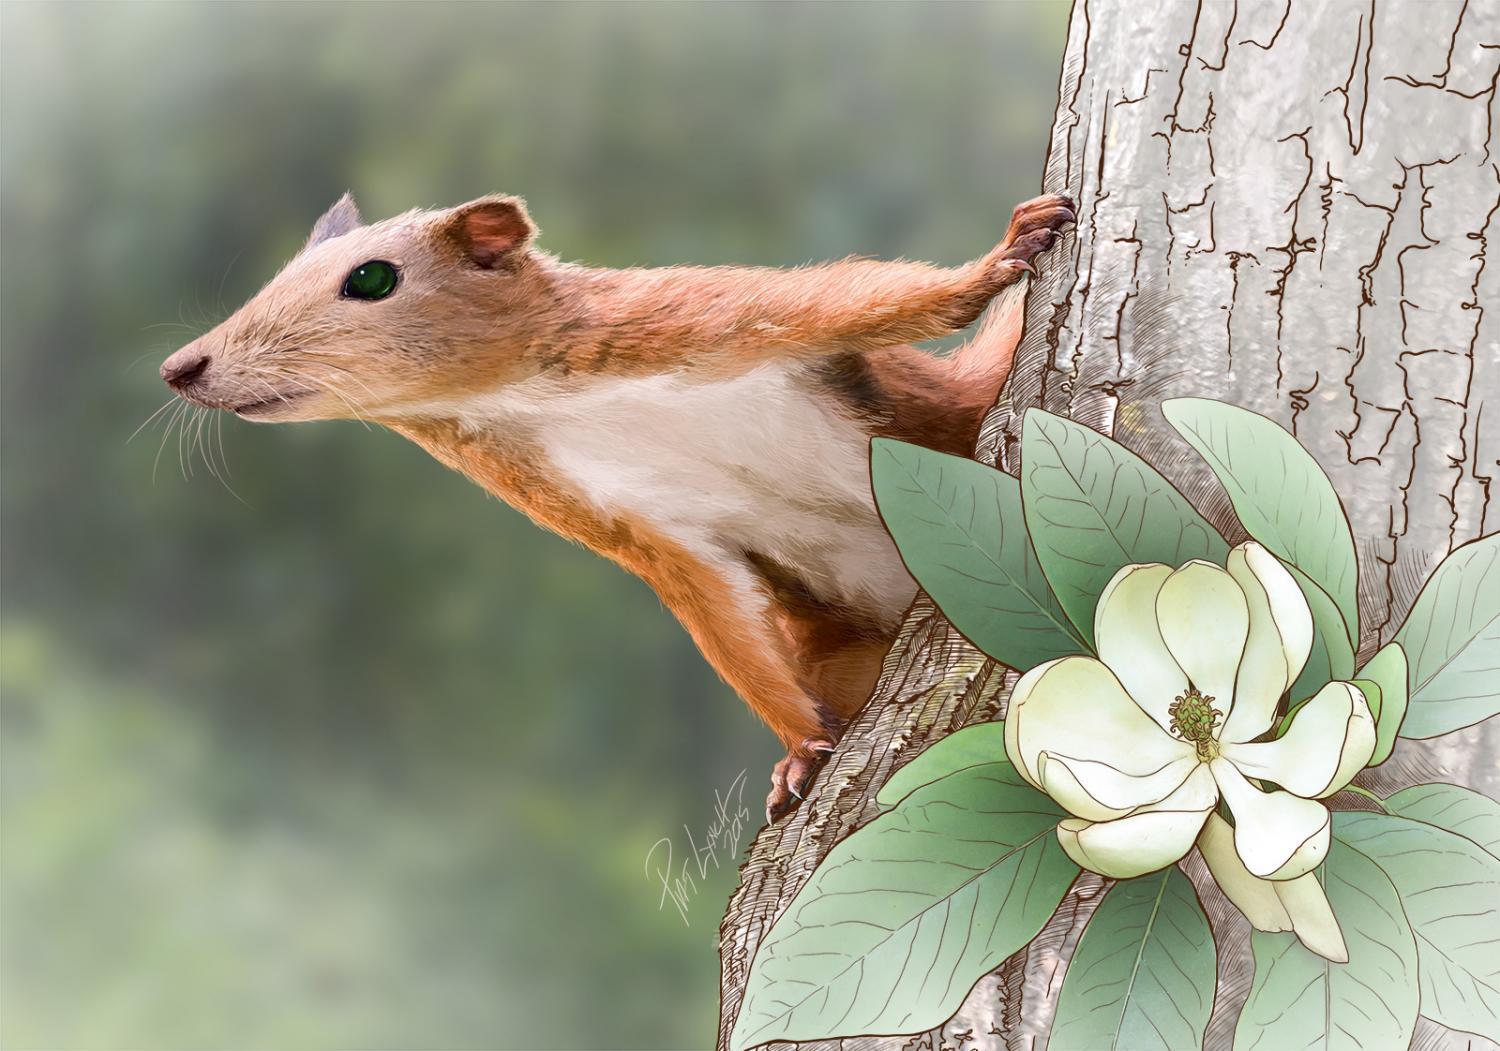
(1193, 719)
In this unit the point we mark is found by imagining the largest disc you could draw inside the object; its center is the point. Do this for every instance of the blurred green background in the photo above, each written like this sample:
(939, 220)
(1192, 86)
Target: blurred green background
(362, 758)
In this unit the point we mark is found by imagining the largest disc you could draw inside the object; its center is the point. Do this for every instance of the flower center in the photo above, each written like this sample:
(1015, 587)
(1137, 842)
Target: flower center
(1193, 719)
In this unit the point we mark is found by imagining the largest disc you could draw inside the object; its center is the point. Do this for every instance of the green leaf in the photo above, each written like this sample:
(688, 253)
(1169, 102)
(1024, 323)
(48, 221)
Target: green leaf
(1093, 506)
(1331, 657)
(1449, 887)
(980, 745)
(1142, 977)
(1299, 999)
(1287, 719)
(1452, 642)
(1371, 689)
(1281, 495)
(905, 915)
(960, 530)
(1469, 814)
(1387, 672)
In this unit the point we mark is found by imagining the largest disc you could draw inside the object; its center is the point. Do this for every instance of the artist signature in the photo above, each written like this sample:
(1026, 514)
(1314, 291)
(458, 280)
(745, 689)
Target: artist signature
(680, 884)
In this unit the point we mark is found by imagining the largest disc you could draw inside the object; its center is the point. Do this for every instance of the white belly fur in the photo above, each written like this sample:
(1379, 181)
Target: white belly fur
(723, 466)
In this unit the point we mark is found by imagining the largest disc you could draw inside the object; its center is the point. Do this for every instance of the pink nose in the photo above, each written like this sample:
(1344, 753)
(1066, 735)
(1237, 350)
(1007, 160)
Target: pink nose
(184, 367)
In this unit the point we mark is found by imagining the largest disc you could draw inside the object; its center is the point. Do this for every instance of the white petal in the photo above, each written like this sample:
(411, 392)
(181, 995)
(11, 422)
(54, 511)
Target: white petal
(1204, 620)
(1059, 782)
(1277, 835)
(1312, 916)
(1198, 792)
(1253, 896)
(1075, 707)
(1151, 838)
(1277, 644)
(1359, 746)
(1289, 607)
(1130, 846)
(1330, 740)
(1129, 641)
(1101, 791)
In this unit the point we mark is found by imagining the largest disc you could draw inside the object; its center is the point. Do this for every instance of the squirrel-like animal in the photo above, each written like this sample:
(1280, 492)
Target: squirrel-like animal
(707, 428)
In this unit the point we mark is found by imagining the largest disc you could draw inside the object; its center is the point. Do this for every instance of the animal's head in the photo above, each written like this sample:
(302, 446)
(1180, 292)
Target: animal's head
(375, 319)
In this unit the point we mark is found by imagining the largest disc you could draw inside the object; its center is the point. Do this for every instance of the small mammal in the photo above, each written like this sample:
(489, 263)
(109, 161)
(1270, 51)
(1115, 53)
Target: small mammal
(707, 428)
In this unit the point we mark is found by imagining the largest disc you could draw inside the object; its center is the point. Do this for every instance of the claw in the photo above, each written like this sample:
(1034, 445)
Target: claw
(791, 777)
(1034, 229)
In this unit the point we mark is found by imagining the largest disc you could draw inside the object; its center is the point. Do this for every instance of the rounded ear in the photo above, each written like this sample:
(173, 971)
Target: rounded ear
(491, 231)
(340, 218)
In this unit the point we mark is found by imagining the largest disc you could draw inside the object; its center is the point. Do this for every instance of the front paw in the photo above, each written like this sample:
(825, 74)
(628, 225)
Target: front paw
(1034, 226)
(793, 776)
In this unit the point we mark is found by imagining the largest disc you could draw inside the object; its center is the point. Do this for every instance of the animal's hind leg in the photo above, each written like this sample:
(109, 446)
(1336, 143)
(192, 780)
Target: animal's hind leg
(838, 663)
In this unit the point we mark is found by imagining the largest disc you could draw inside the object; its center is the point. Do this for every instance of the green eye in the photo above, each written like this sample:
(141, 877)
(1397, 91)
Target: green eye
(373, 280)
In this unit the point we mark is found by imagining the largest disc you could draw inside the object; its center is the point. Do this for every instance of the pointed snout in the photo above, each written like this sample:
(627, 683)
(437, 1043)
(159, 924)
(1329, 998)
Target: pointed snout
(184, 367)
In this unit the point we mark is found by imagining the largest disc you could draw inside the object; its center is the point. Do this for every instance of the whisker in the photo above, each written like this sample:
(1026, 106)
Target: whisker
(219, 295)
(352, 375)
(196, 444)
(198, 301)
(148, 354)
(219, 438)
(258, 375)
(165, 434)
(348, 401)
(182, 460)
(147, 421)
(208, 422)
(339, 394)
(309, 379)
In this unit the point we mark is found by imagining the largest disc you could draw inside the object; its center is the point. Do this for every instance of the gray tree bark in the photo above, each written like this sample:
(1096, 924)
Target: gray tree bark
(1284, 205)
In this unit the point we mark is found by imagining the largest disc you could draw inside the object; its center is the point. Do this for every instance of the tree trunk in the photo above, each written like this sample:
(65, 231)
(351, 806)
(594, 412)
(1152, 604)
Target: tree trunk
(1283, 206)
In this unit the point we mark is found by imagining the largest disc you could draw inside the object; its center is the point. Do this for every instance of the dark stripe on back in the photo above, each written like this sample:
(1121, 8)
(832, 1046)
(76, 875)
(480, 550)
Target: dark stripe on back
(850, 378)
(793, 595)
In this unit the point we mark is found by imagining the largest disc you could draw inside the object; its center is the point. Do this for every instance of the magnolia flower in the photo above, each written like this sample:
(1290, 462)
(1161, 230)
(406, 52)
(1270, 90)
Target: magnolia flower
(1141, 744)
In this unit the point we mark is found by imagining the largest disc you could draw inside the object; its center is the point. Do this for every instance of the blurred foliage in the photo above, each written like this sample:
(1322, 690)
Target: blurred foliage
(361, 758)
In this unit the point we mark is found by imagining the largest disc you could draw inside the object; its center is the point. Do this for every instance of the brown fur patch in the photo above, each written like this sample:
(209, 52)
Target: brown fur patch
(836, 652)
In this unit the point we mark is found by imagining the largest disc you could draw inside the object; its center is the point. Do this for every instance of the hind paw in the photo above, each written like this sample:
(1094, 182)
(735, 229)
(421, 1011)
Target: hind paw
(794, 775)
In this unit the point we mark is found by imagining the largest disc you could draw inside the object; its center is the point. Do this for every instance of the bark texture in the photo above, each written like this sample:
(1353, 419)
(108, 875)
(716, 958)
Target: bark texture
(1287, 206)
(933, 683)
